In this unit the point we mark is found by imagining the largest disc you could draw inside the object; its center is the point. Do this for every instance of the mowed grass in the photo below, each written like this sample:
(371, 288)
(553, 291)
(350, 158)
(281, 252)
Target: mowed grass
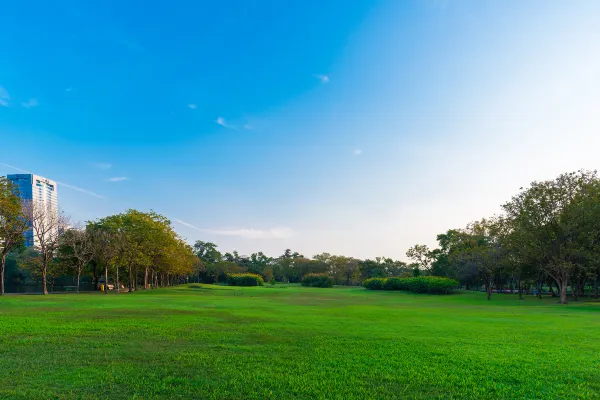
(215, 342)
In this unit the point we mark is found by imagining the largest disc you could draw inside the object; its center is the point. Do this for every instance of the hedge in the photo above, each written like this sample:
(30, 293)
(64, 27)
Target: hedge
(317, 280)
(419, 284)
(374, 283)
(245, 279)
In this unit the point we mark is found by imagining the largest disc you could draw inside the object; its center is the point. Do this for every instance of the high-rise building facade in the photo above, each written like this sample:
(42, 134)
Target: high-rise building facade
(40, 191)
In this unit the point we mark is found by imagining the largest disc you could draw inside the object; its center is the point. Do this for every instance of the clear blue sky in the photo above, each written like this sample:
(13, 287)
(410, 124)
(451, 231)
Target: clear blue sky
(353, 127)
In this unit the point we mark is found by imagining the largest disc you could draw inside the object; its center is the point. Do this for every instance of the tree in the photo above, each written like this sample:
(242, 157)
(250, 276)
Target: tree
(104, 247)
(78, 248)
(48, 224)
(550, 219)
(421, 255)
(351, 271)
(12, 224)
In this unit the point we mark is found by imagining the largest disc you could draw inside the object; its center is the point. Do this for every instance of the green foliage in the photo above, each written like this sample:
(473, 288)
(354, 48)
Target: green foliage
(245, 279)
(375, 283)
(418, 284)
(317, 280)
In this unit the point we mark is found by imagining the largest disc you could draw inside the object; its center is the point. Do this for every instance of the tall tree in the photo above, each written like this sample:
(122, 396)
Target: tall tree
(77, 247)
(554, 227)
(12, 224)
(48, 224)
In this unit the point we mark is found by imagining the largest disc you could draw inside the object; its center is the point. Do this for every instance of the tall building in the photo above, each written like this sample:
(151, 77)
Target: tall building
(40, 191)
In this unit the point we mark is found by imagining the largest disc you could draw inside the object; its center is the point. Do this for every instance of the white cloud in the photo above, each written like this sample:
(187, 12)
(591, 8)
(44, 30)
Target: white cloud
(188, 225)
(247, 233)
(322, 78)
(192, 106)
(248, 127)
(357, 152)
(30, 103)
(89, 192)
(69, 89)
(118, 179)
(102, 166)
(273, 233)
(4, 97)
(221, 121)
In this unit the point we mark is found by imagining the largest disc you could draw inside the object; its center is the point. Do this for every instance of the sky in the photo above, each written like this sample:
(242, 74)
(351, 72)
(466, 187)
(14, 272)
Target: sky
(358, 128)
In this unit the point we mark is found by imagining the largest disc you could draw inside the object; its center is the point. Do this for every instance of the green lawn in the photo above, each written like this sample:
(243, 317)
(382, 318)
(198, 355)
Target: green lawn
(219, 342)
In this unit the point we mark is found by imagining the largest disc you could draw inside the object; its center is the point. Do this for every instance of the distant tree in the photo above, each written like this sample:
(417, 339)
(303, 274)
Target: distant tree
(421, 255)
(351, 271)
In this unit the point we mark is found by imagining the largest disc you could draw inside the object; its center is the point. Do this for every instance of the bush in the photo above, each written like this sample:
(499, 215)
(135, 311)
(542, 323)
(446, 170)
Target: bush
(375, 283)
(418, 284)
(245, 279)
(394, 284)
(317, 280)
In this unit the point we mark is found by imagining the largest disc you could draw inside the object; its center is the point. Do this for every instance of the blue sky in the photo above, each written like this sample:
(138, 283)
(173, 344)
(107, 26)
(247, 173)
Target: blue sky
(357, 128)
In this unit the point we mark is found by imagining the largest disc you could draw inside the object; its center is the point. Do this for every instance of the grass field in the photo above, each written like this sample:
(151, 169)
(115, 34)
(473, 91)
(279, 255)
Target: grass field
(219, 342)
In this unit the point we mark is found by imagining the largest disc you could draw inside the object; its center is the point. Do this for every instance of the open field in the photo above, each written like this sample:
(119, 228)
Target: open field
(203, 341)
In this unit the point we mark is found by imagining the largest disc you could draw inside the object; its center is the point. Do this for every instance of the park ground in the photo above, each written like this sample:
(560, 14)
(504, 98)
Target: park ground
(218, 342)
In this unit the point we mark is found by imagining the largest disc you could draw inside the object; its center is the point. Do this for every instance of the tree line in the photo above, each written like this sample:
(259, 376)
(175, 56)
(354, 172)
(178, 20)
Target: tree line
(547, 235)
(137, 249)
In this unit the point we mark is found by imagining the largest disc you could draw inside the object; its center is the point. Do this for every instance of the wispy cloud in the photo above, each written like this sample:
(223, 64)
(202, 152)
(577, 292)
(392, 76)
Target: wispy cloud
(192, 106)
(69, 89)
(247, 233)
(273, 233)
(357, 152)
(30, 103)
(118, 179)
(76, 188)
(16, 168)
(4, 97)
(248, 127)
(188, 225)
(89, 192)
(221, 121)
(102, 166)
(322, 78)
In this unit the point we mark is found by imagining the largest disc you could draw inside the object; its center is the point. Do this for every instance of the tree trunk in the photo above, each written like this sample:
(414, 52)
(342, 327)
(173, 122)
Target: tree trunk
(563, 291)
(130, 279)
(78, 279)
(596, 284)
(44, 275)
(488, 287)
(520, 288)
(106, 278)
(135, 276)
(146, 278)
(2, 265)
(118, 288)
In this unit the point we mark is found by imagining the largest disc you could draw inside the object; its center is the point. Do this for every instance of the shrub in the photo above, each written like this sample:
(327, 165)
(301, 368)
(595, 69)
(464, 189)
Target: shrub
(394, 284)
(317, 280)
(418, 284)
(375, 283)
(439, 285)
(245, 279)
